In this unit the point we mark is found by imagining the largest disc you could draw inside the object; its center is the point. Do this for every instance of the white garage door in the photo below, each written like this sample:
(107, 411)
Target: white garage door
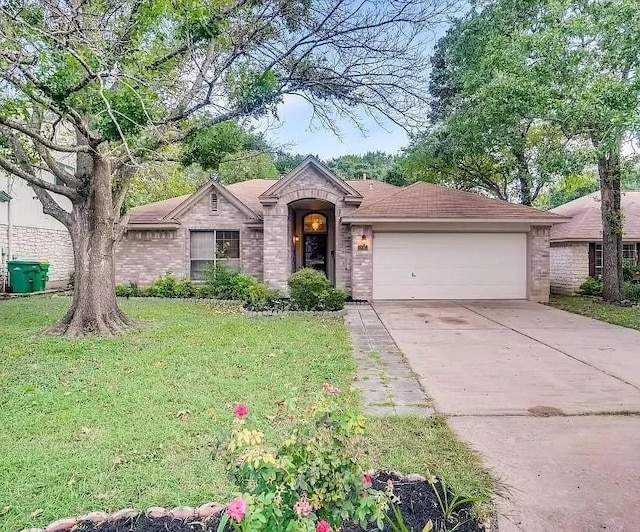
(450, 266)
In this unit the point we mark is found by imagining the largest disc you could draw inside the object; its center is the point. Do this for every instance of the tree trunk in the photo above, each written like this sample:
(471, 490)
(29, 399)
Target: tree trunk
(94, 308)
(522, 169)
(612, 276)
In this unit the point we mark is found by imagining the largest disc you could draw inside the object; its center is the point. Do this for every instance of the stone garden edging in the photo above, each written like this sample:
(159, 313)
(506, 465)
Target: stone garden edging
(182, 513)
(314, 313)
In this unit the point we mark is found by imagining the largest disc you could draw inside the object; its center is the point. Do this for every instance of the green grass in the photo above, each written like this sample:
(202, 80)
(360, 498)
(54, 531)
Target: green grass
(599, 310)
(103, 424)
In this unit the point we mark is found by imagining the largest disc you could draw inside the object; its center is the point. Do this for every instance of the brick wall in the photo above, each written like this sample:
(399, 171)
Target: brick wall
(251, 248)
(361, 263)
(52, 245)
(143, 256)
(276, 248)
(569, 265)
(538, 263)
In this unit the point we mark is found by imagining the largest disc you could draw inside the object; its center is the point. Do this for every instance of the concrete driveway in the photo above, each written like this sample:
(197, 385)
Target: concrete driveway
(497, 369)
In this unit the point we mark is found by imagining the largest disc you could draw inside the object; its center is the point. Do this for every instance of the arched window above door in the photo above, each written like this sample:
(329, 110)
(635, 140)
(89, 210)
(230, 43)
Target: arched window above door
(315, 223)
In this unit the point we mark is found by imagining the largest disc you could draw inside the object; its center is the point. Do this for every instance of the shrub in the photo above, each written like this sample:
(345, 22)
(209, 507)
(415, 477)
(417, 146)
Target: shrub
(312, 477)
(127, 290)
(165, 286)
(332, 299)
(632, 292)
(311, 290)
(227, 283)
(592, 286)
(203, 292)
(631, 272)
(185, 288)
(261, 298)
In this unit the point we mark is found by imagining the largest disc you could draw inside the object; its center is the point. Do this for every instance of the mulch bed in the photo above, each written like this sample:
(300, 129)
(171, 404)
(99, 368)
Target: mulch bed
(418, 505)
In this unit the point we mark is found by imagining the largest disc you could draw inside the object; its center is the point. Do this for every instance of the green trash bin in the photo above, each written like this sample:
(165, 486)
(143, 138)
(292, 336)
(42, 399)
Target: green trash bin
(41, 277)
(23, 274)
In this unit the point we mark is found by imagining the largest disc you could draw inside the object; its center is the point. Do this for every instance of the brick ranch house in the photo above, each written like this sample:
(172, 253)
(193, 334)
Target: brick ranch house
(372, 239)
(576, 245)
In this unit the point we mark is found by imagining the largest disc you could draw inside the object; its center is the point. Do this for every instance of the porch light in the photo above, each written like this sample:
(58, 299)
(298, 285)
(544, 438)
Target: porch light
(296, 239)
(363, 244)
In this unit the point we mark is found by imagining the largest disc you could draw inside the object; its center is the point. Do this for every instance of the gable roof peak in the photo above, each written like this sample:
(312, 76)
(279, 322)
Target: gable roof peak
(323, 169)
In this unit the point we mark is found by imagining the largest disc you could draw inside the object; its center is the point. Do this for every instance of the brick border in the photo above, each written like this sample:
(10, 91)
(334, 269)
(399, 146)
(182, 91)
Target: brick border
(203, 512)
(316, 313)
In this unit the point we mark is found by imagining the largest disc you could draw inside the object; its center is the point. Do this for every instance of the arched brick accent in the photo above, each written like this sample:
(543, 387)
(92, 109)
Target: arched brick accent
(277, 244)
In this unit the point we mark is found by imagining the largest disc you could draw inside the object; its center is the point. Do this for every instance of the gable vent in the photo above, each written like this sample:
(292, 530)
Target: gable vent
(214, 202)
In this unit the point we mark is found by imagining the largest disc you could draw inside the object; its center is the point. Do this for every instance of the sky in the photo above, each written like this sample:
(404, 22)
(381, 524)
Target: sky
(297, 134)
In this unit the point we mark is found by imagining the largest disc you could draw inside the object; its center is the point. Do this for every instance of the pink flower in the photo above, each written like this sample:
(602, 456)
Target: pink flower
(330, 388)
(366, 479)
(323, 526)
(302, 508)
(237, 509)
(240, 411)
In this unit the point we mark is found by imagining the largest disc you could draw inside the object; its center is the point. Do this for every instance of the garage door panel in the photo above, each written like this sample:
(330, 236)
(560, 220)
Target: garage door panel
(449, 265)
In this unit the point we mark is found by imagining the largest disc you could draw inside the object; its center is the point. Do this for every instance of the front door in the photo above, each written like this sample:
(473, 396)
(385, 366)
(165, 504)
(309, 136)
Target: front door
(315, 252)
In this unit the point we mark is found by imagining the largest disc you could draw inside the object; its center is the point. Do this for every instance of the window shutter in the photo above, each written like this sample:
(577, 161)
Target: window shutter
(592, 259)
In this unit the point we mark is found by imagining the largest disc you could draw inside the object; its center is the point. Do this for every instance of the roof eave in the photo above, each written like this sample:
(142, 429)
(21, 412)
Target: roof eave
(376, 219)
(151, 226)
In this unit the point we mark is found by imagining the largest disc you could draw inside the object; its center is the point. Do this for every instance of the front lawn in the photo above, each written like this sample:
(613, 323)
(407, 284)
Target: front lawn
(103, 424)
(599, 310)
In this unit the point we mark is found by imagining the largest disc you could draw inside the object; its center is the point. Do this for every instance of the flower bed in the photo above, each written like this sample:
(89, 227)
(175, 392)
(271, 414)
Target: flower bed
(310, 291)
(310, 483)
(416, 497)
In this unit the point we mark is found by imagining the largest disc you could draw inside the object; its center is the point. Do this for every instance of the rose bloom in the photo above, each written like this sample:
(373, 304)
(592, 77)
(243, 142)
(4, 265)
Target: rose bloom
(330, 388)
(240, 411)
(366, 479)
(323, 526)
(237, 509)
(302, 508)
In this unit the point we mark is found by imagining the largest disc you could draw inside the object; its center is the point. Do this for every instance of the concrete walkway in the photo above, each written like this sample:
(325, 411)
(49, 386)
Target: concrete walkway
(498, 369)
(388, 385)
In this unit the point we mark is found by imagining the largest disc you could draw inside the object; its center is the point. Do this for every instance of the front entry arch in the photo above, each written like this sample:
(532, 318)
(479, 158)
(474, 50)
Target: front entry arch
(312, 224)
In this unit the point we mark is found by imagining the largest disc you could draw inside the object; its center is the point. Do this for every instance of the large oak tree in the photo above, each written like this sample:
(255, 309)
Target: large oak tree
(528, 91)
(128, 78)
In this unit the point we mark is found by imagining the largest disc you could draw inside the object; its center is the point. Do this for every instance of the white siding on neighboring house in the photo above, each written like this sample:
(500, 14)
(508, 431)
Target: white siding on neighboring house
(35, 235)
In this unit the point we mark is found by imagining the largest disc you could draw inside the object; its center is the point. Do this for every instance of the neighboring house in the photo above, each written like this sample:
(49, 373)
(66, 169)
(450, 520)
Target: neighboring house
(372, 239)
(27, 233)
(576, 245)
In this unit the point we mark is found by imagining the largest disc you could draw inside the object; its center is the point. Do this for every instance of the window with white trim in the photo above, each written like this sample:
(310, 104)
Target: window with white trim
(629, 256)
(209, 248)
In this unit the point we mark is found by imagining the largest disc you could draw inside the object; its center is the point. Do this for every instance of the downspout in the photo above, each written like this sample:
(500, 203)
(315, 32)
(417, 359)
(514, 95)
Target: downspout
(9, 231)
(5, 198)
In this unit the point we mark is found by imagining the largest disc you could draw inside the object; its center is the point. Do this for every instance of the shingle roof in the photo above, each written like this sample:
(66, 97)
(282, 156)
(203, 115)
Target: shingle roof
(586, 218)
(248, 193)
(371, 190)
(154, 212)
(427, 201)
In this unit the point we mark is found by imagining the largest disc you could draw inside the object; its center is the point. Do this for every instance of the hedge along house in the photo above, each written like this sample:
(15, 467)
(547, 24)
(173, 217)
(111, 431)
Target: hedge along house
(374, 240)
(576, 245)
